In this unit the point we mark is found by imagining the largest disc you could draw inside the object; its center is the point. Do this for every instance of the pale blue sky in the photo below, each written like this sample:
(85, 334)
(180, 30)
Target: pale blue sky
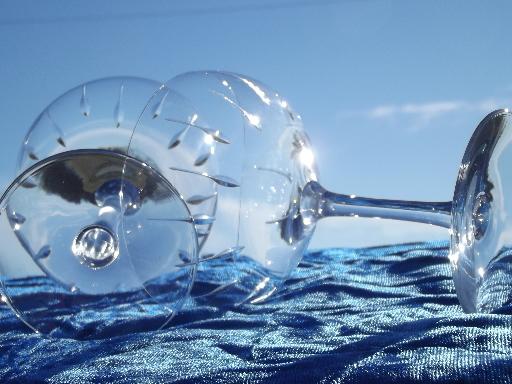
(389, 90)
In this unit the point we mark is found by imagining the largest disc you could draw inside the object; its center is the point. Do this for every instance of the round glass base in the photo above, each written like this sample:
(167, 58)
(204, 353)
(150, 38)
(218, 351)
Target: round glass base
(70, 260)
(481, 240)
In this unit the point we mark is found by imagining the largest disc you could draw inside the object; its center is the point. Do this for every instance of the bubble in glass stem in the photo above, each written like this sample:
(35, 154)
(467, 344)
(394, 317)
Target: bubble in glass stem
(96, 246)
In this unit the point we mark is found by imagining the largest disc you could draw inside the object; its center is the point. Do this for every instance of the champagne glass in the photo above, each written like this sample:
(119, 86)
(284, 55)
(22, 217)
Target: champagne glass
(254, 146)
(84, 254)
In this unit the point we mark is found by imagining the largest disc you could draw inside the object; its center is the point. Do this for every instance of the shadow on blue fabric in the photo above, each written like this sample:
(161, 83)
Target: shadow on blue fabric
(371, 315)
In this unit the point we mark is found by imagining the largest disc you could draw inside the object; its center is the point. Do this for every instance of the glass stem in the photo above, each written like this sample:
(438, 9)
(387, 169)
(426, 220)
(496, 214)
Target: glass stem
(334, 204)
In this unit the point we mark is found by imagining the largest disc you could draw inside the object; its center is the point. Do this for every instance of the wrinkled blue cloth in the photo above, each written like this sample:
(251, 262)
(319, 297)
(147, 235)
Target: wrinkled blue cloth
(372, 315)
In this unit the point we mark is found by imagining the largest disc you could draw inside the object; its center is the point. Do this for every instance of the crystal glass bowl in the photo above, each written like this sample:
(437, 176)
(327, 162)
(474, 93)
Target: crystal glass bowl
(241, 146)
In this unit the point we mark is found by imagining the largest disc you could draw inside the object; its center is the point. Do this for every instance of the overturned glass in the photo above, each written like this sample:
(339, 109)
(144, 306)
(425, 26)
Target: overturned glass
(119, 199)
(84, 251)
(254, 139)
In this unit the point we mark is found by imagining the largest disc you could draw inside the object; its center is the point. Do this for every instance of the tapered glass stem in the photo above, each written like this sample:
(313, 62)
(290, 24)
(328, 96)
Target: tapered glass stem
(329, 204)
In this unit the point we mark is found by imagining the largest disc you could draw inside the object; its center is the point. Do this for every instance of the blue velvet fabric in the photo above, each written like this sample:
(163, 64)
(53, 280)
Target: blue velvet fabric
(373, 315)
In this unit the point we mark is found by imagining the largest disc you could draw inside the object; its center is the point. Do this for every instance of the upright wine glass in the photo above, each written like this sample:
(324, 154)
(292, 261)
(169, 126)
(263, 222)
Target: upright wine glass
(254, 146)
(81, 256)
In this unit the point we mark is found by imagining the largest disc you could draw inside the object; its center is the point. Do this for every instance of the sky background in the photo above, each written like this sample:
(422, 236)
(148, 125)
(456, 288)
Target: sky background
(390, 91)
